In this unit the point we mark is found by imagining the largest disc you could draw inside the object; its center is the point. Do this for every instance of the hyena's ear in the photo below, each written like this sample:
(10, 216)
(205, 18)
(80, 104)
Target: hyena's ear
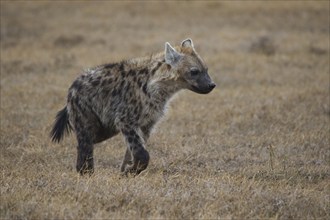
(187, 43)
(171, 55)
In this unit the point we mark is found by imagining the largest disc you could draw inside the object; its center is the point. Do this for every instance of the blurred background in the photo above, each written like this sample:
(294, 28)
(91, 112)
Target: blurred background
(266, 121)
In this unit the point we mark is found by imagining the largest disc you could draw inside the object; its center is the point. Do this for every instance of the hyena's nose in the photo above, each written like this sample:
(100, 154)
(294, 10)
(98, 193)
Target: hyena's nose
(212, 85)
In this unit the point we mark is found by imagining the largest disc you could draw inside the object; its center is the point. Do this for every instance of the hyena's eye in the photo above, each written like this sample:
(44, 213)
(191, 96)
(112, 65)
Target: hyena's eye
(194, 72)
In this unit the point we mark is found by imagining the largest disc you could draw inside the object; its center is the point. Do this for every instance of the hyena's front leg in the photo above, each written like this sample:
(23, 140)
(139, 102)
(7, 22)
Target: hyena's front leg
(127, 160)
(140, 156)
(146, 130)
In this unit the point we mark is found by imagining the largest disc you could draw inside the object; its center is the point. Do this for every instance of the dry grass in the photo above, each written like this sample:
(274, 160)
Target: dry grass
(256, 147)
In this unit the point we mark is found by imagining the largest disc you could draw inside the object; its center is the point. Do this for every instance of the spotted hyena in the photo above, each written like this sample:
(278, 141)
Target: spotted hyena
(128, 97)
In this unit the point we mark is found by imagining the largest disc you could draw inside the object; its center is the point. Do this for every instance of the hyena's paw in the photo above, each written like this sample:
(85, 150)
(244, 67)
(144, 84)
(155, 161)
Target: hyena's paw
(140, 162)
(124, 165)
(85, 166)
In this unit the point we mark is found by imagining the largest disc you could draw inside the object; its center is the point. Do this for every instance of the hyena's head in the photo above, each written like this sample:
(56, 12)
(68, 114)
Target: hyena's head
(190, 70)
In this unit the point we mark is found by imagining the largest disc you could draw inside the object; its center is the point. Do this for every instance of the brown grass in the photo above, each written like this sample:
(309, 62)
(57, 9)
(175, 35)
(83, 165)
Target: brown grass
(256, 147)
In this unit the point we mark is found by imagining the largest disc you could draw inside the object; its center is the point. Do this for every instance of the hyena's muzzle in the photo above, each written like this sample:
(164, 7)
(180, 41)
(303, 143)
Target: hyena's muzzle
(201, 83)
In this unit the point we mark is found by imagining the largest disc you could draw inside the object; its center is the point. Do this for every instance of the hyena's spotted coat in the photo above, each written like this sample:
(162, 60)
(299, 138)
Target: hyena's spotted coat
(128, 97)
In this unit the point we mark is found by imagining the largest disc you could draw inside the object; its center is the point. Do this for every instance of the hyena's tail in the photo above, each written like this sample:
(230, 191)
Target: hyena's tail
(61, 125)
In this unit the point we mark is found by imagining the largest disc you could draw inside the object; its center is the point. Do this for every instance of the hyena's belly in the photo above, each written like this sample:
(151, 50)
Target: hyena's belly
(104, 133)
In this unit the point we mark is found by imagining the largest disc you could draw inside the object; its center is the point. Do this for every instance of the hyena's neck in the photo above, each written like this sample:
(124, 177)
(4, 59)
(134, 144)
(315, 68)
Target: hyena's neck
(162, 83)
(161, 92)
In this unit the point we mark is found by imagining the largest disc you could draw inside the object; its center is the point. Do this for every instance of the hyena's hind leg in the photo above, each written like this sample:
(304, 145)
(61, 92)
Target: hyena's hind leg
(84, 123)
(85, 161)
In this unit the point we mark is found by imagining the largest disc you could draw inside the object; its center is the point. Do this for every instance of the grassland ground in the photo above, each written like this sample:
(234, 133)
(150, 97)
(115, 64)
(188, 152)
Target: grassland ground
(256, 147)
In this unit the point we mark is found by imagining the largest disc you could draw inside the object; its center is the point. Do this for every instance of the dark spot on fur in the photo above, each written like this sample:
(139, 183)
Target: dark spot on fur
(96, 82)
(76, 85)
(131, 73)
(139, 83)
(156, 68)
(143, 71)
(69, 95)
(114, 92)
(109, 66)
(125, 132)
(124, 89)
(133, 102)
(130, 139)
(121, 67)
(108, 73)
(131, 133)
(136, 111)
(144, 89)
(136, 141)
(122, 83)
(106, 82)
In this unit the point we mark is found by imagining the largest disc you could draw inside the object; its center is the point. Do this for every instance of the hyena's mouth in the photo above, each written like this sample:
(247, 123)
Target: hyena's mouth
(204, 90)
